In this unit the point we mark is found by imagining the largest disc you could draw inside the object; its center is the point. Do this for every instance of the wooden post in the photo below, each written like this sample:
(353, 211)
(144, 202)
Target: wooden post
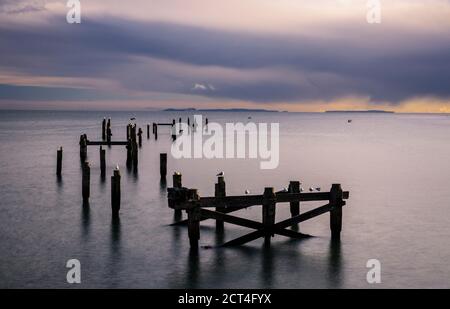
(155, 128)
(104, 129)
(148, 131)
(140, 137)
(220, 191)
(108, 131)
(177, 183)
(294, 187)
(59, 156)
(128, 131)
(163, 165)
(134, 147)
(86, 180)
(102, 162)
(268, 208)
(194, 217)
(189, 122)
(83, 147)
(115, 193)
(129, 153)
(336, 197)
(173, 122)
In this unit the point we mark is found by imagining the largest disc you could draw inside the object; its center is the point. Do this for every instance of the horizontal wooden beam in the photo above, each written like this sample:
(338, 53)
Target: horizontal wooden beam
(165, 124)
(228, 210)
(104, 143)
(243, 201)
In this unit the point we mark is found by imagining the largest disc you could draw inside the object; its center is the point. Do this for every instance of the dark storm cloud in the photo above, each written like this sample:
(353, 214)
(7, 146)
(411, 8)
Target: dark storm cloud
(393, 70)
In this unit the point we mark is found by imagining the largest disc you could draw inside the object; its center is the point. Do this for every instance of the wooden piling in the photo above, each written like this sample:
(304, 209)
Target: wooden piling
(163, 165)
(129, 148)
(268, 211)
(336, 202)
(102, 162)
(104, 129)
(148, 131)
(59, 156)
(128, 131)
(294, 187)
(86, 181)
(177, 183)
(155, 128)
(220, 191)
(194, 217)
(115, 193)
(108, 131)
(83, 147)
(140, 137)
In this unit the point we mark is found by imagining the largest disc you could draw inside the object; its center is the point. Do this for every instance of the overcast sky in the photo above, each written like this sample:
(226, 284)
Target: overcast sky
(279, 54)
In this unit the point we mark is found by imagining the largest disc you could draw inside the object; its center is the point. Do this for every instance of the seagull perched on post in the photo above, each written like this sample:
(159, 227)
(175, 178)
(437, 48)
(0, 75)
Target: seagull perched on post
(247, 192)
(221, 174)
(311, 189)
(301, 189)
(318, 189)
(285, 190)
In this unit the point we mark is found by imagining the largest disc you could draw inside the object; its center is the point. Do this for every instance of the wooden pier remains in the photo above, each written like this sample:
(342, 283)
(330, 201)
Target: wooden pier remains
(197, 209)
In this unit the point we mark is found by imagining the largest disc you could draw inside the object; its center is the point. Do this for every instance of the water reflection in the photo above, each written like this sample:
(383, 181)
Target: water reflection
(85, 219)
(113, 268)
(193, 268)
(335, 264)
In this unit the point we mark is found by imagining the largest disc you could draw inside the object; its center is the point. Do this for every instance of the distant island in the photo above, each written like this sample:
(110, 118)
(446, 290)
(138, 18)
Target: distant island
(218, 110)
(360, 111)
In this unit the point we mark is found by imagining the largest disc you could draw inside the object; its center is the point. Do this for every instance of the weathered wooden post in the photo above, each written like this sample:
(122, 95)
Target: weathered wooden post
(86, 181)
(128, 131)
(268, 209)
(83, 147)
(220, 191)
(336, 197)
(294, 187)
(177, 183)
(59, 156)
(129, 153)
(155, 128)
(148, 131)
(108, 131)
(194, 217)
(140, 137)
(163, 165)
(189, 122)
(104, 129)
(206, 121)
(173, 122)
(102, 162)
(115, 193)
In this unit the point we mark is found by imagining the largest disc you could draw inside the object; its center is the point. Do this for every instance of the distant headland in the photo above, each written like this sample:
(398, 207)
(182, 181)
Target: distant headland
(360, 111)
(219, 110)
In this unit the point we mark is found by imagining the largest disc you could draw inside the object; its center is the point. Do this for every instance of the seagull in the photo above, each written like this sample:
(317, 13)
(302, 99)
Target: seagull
(284, 190)
(133, 118)
(318, 189)
(301, 189)
(247, 192)
(221, 174)
(117, 167)
(311, 189)
(177, 173)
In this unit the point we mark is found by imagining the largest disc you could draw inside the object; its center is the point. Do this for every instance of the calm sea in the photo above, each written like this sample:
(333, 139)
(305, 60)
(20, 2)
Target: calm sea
(396, 167)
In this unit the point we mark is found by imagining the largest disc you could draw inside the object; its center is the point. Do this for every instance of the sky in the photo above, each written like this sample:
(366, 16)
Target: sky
(288, 55)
